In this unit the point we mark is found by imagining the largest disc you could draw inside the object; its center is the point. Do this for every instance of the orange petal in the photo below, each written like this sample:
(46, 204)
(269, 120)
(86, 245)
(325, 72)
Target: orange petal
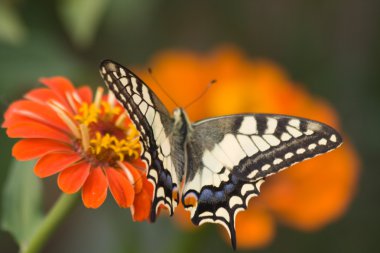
(33, 129)
(15, 120)
(254, 227)
(34, 148)
(39, 112)
(139, 164)
(94, 190)
(59, 84)
(120, 187)
(85, 94)
(55, 162)
(143, 202)
(137, 176)
(42, 95)
(71, 179)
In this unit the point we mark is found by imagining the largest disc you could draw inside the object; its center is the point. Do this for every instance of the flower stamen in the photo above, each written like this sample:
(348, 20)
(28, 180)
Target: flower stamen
(115, 149)
(77, 98)
(111, 99)
(87, 114)
(98, 97)
(71, 101)
(65, 118)
(85, 136)
(120, 120)
(59, 105)
(110, 111)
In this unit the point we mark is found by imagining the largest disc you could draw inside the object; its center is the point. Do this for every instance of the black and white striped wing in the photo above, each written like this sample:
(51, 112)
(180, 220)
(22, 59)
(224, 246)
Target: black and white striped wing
(155, 126)
(230, 157)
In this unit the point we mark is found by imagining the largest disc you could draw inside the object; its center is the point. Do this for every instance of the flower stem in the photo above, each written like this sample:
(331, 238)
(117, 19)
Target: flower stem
(56, 215)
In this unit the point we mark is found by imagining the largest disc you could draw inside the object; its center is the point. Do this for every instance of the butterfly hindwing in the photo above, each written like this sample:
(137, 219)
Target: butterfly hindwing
(230, 157)
(155, 126)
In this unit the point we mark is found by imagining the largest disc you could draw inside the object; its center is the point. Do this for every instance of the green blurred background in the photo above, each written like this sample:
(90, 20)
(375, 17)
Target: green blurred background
(330, 46)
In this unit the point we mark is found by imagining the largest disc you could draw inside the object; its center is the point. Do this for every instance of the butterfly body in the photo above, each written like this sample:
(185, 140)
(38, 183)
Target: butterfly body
(219, 163)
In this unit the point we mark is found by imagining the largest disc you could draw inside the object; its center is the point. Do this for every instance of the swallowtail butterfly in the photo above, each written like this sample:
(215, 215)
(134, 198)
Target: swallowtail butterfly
(221, 161)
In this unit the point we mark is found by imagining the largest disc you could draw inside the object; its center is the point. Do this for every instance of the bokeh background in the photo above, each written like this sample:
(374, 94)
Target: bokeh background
(331, 47)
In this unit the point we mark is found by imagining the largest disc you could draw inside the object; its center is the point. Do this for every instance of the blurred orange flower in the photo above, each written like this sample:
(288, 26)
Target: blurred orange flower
(90, 142)
(306, 197)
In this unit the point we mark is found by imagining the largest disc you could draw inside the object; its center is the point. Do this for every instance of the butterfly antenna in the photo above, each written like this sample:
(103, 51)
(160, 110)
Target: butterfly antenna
(161, 88)
(202, 94)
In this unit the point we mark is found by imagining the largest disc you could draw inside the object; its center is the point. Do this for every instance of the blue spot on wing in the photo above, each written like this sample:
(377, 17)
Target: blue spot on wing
(206, 195)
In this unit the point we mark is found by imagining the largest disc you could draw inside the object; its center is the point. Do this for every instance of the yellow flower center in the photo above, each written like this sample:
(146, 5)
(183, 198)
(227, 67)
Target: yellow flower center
(105, 137)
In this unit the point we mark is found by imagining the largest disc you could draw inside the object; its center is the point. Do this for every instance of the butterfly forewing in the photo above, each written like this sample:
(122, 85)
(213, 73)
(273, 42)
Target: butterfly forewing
(231, 156)
(155, 126)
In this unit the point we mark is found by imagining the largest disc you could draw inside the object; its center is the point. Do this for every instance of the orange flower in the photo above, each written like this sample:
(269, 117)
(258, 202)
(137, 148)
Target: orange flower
(91, 143)
(307, 196)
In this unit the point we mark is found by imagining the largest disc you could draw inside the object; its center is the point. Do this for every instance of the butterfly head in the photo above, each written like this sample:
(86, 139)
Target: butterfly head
(181, 120)
(177, 114)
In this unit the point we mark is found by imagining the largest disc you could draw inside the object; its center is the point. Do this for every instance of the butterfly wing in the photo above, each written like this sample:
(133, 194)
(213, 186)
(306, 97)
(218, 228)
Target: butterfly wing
(230, 157)
(155, 126)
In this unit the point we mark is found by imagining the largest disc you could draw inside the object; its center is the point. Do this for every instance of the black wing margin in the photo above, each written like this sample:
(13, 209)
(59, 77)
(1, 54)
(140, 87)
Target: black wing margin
(230, 157)
(154, 124)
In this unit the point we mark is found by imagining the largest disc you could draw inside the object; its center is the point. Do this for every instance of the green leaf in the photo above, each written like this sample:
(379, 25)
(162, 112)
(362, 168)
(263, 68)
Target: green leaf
(81, 19)
(12, 30)
(21, 202)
